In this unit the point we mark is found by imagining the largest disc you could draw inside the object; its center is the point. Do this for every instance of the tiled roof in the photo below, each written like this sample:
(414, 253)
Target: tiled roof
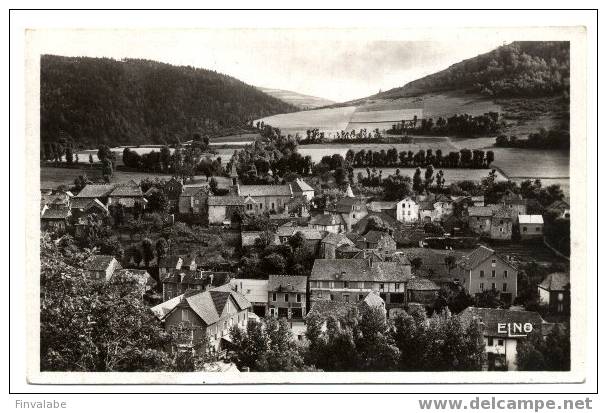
(208, 305)
(422, 284)
(375, 236)
(99, 263)
(347, 248)
(502, 213)
(476, 257)
(381, 205)
(491, 317)
(561, 204)
(308, 233)
(127, 190)
(345, 205)
(56, 212)
(299, 185)
(358, 270)
(95, 191)
(361, 225)
(192, 191)
(253, 290)
(264, 190)
(336, 239)
(366, 254)
(353, 236)
(557, 281)
(228, 200)
(530, 219)
(426, 206)
(479, 211)
(80, 203)
(287, 283)
(512, 199)
(152, 190)
(142, 276)
(326, 220)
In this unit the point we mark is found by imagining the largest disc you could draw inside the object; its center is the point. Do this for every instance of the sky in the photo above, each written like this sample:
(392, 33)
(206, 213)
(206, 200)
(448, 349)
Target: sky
(336, 64)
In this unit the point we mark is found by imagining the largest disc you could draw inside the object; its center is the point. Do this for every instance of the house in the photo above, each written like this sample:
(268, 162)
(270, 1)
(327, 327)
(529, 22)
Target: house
(555, 292)
(350, 280)
(479, 220)
(443, 207)
(287, 296)
(145, 281)
(531, 227)
(173, 188)
(196, 314)
(55, 218)
(407, 210)
(502, 329)
(351, 210)
(248, 238)
(331, 242)
(478, 200)
(501, 224)
(387, 207)
(168, 264)
(178, 281)
(426, 211)
(225, 209)
(255, 291)
(101, 267)
(312, 235)
(193, 201)
(562, 207)
(55, 199)
(298, 206)
(126, 195)
(380, 241)
(95, 191)
(422, 290)
(346, 251)
(514, 202)
(300, 188)
(85, 206)
(328, 222)
(265, 198)
(483, 270)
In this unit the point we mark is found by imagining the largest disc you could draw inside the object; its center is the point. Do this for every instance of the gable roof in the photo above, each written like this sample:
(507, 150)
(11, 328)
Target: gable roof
(287, 283)
(192, 191)
(265, 190)
(559, 204)
(502, 213)
(336, 239)
(308, 233)
(56, 212)
(491, 317)
(95, 191)
(99, 263)
(345, 205)
(359, 270)
(253, 290)
(299, 185)
(480, 211)
(326, 220)
(127, 190)
(381, 205)
(375, 236)
(557, 281)
(422, 284)
(530, 219)
(228, 200)
(478, 256)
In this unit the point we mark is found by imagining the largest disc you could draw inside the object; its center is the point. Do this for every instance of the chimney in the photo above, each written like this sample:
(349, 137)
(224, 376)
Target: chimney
(211, 279)
(181, 276)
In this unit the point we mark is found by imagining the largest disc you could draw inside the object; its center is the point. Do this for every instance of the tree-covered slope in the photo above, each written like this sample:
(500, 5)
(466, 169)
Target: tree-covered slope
(99, 100)
(519, 69)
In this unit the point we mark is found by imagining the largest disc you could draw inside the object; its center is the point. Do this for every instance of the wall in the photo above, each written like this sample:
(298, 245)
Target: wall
(501, 228)
(530, 231)
(407, 210)
(290, 304)
(473, 280)
(480, 225)
(217, 214)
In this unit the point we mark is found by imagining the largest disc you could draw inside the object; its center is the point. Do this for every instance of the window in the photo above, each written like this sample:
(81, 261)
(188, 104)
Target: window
(397, 286)
(260, 206)
(299, 298)
(524, 229)
(346, 284)
(361, 297)
(505, 287)
(331, 297)
(490, 341)
(482, 273)
(537, 229)
(249, 207)
(493, 286)
(481, 286)
(273, 205)
(501, 222)
(273, 296)
(505, 273)
(286, 298)
(353, 215)
(492, 273)
(500, 342)
(493, 262)
(381, 287)
(347, 298)
(185, 315)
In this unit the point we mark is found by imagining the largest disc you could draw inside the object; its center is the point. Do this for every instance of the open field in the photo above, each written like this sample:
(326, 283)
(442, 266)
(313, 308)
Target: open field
(52, 177)
(451, 175)
(532, 163)
(326, 120)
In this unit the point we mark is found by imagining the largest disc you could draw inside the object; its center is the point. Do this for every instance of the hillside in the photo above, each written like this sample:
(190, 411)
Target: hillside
(299, 100)
(519, 69)
(100, 100)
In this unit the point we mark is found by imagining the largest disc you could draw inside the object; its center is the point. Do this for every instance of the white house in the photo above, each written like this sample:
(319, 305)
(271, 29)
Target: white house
(407, 210)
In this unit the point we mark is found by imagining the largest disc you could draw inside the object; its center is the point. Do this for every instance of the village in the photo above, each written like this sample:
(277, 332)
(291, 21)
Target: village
(214, 257)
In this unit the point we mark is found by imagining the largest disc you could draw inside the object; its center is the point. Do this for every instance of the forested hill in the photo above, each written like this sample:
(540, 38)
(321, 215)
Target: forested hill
(519, 69)
(99, 100)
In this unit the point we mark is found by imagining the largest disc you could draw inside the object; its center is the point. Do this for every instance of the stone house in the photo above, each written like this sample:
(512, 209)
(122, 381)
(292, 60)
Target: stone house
(95, 191)
(501, 224)
(426, 211)
(173, 188)
(350, 280)
(555, 292)
(126, 195)
(407, 210)
(193, 201)
(55, 218)
(380, 241)
(196, 314)
(479, 220)
(225, 209)
(178, 281)
(287, 296)
(84, 206)
(351, 210)
(312, 235)
(168, 264)
(265, 198)
(502, 329)
(483, 270)
(331, 242)
(422, 291)
(333, 223)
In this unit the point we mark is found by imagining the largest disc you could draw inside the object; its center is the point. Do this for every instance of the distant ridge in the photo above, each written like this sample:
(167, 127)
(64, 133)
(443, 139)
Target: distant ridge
(298, 100)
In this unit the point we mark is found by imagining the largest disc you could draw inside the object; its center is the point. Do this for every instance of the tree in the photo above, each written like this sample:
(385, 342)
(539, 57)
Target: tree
(147, 251)
(98, 326)
(429, 176)
(274, 264)
(69, 155)
(552, 353)
(158, 202)
(107, 169)
(417, 181)
(162, 247)
(91, 159)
